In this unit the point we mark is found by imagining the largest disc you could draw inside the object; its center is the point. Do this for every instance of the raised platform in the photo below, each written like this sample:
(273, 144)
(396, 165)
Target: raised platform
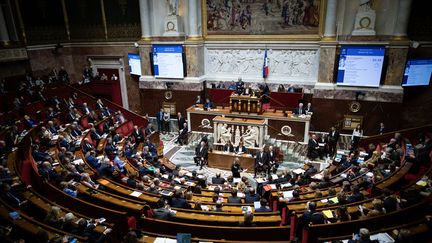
(278, 124)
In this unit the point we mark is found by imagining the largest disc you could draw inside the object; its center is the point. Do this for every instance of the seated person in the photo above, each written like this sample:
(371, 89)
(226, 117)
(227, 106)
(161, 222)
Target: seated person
(178, 201)
(247, 91)
(310, 216)
(183, 135)
(198, 100)
(263, 206)
(149, 130)
(234, 198)
(228, 147)
(300, 110)
(208, 104)
(252, 196)
(218, 179)
(314, 150)
(240, 149)
(163, 211)
(248, 220)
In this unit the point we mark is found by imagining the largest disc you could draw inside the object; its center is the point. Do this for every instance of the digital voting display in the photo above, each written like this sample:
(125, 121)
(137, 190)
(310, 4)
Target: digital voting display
(134, 64)
(360, 66)
(168, 61)
(417, 72)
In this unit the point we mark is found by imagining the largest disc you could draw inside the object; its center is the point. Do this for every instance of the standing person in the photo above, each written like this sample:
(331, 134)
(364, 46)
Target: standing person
(201, 154)
(181, 121)
(333, 138)
(166, 122)
(159, 119)
(261, 161)
(236, 168)
(356, 136)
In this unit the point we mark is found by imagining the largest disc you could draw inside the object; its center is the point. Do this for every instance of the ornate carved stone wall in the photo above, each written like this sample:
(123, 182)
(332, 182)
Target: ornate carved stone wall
(286, 65)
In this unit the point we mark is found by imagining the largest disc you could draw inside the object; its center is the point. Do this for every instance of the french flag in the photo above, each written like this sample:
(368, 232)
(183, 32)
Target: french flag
(265, 66)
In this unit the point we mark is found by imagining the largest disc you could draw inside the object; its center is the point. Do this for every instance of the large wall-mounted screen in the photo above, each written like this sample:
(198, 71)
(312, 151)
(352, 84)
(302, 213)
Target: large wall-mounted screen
(360, 66)
(134, 64)
(417, 72)
(168, 61)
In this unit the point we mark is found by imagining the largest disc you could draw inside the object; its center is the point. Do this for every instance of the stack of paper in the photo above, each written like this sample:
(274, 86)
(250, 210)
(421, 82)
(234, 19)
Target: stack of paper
(287, 194)
(136, 194)
(298, 171)
(328, 214)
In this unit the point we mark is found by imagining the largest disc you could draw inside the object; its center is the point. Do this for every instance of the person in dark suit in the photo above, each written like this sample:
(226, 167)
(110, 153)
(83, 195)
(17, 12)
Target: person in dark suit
(263, 206)
(149, 130)
(87, 146)
(183, 135)
(240, 148)
(382, 129)
(239, 86)
(236, 168)
(92, 160)
(308, 108)
(85, 109)
(159, 119)
(333, 138)
(310, 216)
(314, 150)
(163, 211)
(201, 154)
(138, 135)
(218, 179)
(300, 110)
(208, 104)
(261, 161)
(180, 121)
(251, 196)
(234, 198)
(247, 91)
(178, 201)
(228, 147)
(99, 104)
(94, 135)
(273, 164)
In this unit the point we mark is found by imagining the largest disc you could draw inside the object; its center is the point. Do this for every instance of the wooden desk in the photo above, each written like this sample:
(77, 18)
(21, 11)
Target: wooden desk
(221, 160)
(245, 104)
(295, 128)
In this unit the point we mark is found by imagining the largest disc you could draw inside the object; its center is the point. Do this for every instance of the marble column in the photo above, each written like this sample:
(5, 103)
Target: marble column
(397, 56)
(330, 20)
(193, 19)
(403, 14)
(326, 62)
(4, 35)
(145, 19)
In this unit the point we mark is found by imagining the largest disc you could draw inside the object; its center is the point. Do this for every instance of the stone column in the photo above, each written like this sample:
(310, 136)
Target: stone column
(145, 19)
(403, 14)
(193, 19)
(4, 35)
(330, 20)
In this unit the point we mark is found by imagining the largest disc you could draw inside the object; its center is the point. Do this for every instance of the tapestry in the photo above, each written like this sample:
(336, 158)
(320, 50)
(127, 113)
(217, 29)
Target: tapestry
(262, 17)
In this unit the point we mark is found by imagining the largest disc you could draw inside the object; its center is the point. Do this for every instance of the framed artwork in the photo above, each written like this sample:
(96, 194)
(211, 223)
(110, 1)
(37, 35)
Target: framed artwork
(350, 122)
(258, 19)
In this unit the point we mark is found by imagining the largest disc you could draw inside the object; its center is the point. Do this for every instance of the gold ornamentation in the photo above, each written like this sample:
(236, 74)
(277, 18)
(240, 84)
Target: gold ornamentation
(354, 106)
(168, 94)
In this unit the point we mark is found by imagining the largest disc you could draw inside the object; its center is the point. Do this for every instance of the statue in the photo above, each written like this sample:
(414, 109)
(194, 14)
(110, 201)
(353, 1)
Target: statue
(237, 136)
(173, 7)
(250, 137)
(225, 134)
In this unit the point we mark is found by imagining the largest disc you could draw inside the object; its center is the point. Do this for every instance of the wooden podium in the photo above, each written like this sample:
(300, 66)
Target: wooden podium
(245, 104)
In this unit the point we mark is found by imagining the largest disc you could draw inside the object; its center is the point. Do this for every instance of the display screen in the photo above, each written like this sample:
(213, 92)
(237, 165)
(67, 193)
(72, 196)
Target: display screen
(168, 61)
(417, 72)
(360, 66)
(134, 64)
